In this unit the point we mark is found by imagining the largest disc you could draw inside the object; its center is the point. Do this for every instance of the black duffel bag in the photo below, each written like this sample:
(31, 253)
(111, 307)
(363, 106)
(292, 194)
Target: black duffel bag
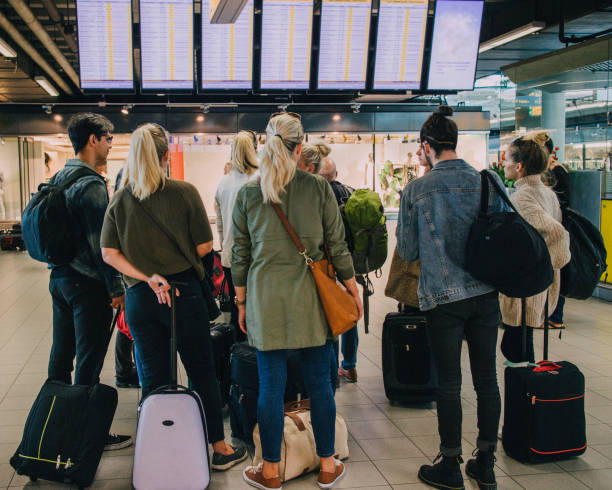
(582, 273)
(505, 251)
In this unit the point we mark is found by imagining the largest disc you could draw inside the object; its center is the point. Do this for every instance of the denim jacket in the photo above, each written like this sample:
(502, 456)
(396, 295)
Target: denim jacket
(435, 217)
(87, 201)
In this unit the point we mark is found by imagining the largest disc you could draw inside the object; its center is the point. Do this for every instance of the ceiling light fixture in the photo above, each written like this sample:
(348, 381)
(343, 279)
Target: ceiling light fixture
(46, 86)
(283, 108)
(356, 108)
(58, 118)
(48, 108)
(2, 141)
(336, 117)
(205, 108)
(6, 50)
(200, 118)
(125, 110)
(513, 35)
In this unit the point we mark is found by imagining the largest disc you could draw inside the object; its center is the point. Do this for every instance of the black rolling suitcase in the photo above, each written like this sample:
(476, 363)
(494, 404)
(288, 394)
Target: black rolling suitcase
(544, 416)
(65, 432)
(222, 336)
(409, 374)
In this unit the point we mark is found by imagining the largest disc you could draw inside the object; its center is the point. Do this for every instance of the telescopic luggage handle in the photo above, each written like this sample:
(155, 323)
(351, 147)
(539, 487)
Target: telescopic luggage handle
(173, 346)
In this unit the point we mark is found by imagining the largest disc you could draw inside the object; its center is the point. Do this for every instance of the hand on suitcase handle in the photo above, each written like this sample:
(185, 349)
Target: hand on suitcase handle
(161, 288)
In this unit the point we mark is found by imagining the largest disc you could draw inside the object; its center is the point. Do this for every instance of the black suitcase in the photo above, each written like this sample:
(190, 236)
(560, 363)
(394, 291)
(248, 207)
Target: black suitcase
(544, 416)
(65, 433)
(409, 374)
(222, 336)
(244, 388)
(66, 429)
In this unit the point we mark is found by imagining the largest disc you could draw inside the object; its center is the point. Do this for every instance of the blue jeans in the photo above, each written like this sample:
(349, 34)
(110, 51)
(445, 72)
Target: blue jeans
(350, 342)
(82, 318)
(150, 326)
(272, 369)
(557, 315)
(477, 319)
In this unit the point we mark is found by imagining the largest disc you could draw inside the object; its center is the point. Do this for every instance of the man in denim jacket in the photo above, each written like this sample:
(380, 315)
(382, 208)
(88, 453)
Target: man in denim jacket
(85, 291)
(436, 214)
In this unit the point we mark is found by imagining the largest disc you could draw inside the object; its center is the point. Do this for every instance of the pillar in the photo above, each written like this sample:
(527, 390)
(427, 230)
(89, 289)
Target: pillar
(553, 120)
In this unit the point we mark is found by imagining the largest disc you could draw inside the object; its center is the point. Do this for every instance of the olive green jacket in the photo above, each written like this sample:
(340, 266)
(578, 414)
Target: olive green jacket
(283, 310)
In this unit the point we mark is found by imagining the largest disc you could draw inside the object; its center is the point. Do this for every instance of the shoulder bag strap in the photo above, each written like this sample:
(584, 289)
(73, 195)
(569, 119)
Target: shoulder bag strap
(291, 232)
(484, 195)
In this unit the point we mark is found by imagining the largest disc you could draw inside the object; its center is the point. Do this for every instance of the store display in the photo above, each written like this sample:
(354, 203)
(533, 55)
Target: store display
(105, 44)
(454, 50)
(166, 44)
(343, 51)
(399, 44)
(285, 45)
(227, 51)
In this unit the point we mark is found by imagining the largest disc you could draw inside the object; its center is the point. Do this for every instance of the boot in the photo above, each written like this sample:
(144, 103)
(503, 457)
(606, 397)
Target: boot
(482, 470)
(445, 474)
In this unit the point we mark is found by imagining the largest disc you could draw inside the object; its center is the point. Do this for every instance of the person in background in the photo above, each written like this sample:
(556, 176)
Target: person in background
(244, 164)
(559, 178)
(85, 291)
(526, 161)
(227, 167)
(279, 306)
(312, 156)
(127, 235)
(435, 217)
(350, 339)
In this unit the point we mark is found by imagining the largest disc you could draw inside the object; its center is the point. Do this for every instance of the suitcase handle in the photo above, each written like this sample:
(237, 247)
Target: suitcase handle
(546, 366)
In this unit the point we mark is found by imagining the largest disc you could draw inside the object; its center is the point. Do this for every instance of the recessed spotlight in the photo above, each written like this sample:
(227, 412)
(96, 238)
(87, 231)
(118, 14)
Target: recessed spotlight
(205, 108)
(125, 110)
(58, 118)
(200, 118)
(356, 108)
(336, 117)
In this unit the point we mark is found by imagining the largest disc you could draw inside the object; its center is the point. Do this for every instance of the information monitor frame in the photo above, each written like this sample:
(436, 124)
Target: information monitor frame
(115, 90)
(194, 78)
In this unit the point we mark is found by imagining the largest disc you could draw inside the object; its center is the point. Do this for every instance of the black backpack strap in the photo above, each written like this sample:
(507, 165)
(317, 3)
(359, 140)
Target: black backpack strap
(485, 177)
(76, 175)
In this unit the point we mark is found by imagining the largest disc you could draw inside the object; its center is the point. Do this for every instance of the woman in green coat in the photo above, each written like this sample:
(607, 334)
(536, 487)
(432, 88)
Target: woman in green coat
(279, 307)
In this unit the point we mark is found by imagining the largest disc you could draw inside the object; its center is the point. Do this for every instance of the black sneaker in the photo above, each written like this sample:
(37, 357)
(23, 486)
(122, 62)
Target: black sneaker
(116, 441)
(129, 382)
(222, 462)
(482, 469)
(445, 475)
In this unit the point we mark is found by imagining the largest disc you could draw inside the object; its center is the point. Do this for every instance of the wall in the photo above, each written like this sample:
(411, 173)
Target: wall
(10, 195)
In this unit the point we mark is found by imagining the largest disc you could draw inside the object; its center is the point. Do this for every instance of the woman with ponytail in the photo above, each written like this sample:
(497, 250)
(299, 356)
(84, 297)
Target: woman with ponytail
(436, 214)
(244, 165)
(312, 156)
(135, 244)
(526, 161)
(279, 307)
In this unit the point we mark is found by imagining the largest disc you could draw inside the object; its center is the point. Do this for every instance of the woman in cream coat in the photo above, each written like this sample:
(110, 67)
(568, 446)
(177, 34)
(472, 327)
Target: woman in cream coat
(538, 204)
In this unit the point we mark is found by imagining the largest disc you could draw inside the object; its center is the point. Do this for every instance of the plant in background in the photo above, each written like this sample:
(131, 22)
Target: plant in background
(498, 168)
(393, 180)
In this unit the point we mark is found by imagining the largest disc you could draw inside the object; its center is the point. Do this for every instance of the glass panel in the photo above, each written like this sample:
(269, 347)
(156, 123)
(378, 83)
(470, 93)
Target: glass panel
(10, 193)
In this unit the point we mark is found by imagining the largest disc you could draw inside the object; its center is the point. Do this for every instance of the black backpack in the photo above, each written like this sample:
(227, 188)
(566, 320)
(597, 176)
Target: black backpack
(505, 251)
(47, 225)
(581, 274)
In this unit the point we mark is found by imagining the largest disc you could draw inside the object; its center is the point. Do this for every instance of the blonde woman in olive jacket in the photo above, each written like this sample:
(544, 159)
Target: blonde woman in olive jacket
(538, 204)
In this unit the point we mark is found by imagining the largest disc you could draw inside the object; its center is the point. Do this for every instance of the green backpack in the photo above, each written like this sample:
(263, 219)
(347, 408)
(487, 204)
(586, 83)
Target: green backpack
(364, 214)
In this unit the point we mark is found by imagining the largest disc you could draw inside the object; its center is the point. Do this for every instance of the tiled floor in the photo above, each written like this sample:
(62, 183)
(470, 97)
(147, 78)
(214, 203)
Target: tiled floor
(387, 443)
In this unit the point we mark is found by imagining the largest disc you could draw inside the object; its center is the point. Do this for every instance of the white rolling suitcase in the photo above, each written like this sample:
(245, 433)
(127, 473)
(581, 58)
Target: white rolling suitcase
(171, 442)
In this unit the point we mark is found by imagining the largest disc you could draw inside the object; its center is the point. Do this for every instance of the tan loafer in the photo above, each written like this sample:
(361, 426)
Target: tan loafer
(349, 375)
(253, 475)
(328, 480)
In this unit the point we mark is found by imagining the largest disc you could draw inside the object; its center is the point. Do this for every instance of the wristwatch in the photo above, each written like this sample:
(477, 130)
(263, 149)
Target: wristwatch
(237, 302)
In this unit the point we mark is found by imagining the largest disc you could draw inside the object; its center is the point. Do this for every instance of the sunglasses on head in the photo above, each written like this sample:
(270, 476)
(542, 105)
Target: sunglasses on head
(292, 114)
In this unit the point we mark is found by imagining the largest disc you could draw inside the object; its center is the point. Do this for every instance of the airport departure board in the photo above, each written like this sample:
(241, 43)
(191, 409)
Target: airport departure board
(400, 44)
(285, 46)
(105, 44)
(454, 50)
(343, 49)
(166, 44)
(227, 51)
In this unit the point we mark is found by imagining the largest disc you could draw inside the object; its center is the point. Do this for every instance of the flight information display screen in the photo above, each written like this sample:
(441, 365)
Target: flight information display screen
(285, 45)
(343, 51)
(400, 44)
(227, 51)
(105, 44)
(166, 44)
(454, 50)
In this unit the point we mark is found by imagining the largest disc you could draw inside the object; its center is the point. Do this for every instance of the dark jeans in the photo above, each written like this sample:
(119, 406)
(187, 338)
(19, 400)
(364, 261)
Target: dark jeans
(477, 319)
(512, 344)
(557, 315)
(150, 325)
(240, 335)
(82, 318)
(124, 363)
(272, 369)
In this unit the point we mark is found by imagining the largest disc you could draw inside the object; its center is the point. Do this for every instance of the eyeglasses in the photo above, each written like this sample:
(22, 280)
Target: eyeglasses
(292, 114)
